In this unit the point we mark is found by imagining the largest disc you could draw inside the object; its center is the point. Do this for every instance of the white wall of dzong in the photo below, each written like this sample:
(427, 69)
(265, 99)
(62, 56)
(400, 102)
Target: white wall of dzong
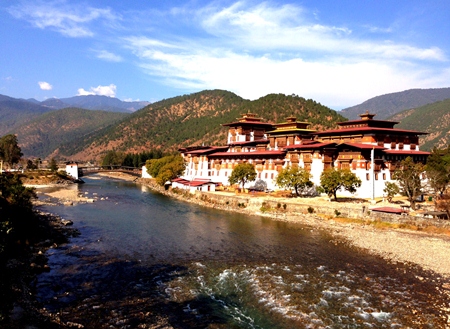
(372, 182)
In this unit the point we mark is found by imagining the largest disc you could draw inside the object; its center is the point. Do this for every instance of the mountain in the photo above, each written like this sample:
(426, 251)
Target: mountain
(46, 133)
(15, 112)
(105, 103)
(432, 118)
(193, 119)
(387, 105)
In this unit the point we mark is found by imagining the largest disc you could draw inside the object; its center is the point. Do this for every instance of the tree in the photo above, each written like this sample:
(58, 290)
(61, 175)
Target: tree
(113, 158)
(53, 166)
(242, 173)
(391, 189)
(15, 212)
(332, 180)
(10, 151)
(166, 168)
(438, 171)
(31, 165)
(409, 181)
(295, 178)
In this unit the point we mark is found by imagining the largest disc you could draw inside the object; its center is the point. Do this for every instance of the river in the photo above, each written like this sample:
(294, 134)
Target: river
(144, 260)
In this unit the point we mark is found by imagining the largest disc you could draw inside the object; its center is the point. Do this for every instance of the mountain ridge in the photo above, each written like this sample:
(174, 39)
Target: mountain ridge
(185, 120)
(197, 119)
(387, 105)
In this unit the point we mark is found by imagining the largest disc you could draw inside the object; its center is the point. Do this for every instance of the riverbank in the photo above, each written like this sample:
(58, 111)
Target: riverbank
(19, 273)
(429, 251)
(344, 231)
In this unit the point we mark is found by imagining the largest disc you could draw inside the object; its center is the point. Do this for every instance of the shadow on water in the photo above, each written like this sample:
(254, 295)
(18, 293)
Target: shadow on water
(113, 293)
(144, 261)
(95, 291)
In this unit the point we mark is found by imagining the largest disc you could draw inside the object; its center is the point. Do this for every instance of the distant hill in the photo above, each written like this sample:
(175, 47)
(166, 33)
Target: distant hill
(15, 112)
(387, 105)
(432, 118)
(45, 134)
(104, 103)
(194, 119)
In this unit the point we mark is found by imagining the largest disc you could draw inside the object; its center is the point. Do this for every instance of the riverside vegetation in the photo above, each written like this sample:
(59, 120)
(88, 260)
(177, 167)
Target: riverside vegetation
(25, 235)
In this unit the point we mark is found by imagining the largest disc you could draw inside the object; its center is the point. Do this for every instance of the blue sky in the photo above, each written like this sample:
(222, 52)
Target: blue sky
(339, 53)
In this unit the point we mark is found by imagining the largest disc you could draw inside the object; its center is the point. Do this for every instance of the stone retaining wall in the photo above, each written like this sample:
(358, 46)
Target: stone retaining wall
(333, 209)
(258, 205)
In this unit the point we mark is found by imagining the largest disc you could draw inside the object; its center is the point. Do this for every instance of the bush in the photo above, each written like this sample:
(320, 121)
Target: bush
(265, 207)
(310, 210)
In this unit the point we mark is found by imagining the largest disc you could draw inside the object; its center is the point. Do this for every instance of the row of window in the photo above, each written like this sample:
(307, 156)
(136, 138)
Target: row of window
(384, 176)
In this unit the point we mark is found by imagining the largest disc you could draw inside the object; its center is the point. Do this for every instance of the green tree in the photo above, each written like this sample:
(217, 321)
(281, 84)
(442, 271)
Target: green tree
(408, 179)
(391, 189)
(31, 165)
(113, 158)
(294, 178)
(15, 212)
(53, 166)
(242, 173)
(332, 180)
(166, 168)
(10, 151)
(438, 171)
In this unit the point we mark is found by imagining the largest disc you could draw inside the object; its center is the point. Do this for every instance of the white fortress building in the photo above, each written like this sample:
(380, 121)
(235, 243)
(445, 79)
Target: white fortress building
(372, 149)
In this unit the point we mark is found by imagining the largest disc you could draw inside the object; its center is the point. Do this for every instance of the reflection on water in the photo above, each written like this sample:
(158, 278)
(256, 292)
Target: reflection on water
(143, 257)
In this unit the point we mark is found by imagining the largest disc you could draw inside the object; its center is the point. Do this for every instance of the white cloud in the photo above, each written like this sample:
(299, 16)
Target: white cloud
(109, 91)
(263, 49)
(68, 19)
(108, 56)
(45, 85)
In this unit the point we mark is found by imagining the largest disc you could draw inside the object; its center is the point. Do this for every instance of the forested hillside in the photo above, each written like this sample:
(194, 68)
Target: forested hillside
(387, 105)
(15, 112)
(433, 118)
(45, 134)
(194, 119)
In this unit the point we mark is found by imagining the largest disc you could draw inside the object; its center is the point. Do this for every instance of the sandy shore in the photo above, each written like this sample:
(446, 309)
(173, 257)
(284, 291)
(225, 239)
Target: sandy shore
(429, 251)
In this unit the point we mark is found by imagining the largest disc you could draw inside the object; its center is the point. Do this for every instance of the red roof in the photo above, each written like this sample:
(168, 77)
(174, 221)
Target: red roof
(248, 123)
(249, 154)
(308, 146)
(208, 150)
(389, 210)
(364, 146)
(367, 129)
(194, 183)
(406, 152)
(257, 141)
(371, 121)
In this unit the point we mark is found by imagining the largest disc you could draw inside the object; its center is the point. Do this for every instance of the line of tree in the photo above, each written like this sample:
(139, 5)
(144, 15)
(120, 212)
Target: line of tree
(136, 160)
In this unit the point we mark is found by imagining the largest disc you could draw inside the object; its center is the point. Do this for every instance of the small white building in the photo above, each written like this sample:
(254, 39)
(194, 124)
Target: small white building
(204, 185)
(145, 173)
(72, 169)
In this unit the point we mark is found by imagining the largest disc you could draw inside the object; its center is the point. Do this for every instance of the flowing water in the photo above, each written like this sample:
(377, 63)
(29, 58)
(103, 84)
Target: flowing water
(144, 260)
